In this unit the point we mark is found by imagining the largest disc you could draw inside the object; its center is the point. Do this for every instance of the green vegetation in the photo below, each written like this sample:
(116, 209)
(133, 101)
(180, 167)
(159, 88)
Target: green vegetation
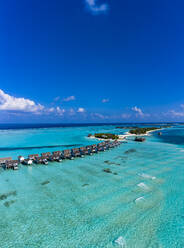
(106, 136)
(143, 130)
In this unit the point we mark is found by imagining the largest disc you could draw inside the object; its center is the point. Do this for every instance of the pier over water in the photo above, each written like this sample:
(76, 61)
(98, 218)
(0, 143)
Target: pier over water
(57, 156)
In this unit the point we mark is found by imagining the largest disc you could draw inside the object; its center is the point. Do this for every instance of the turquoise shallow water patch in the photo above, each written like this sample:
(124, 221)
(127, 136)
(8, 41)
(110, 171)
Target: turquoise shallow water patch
(139, 207)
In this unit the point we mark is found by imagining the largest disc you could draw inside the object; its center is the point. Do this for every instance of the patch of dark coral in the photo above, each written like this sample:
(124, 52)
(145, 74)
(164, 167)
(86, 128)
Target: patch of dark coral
(84, 185)
(9, 203)
(130, 151)
(110, 163)
(5, 196)
(45, 182)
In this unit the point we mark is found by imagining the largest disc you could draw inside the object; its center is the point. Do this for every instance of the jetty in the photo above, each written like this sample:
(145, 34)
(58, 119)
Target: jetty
(57, 156)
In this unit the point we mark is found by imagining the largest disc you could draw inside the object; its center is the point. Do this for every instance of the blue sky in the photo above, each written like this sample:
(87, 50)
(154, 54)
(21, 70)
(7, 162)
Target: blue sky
(91, 61)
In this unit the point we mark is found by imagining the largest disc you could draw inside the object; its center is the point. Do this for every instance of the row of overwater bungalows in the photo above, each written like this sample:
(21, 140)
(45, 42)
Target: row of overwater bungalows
(57, 156)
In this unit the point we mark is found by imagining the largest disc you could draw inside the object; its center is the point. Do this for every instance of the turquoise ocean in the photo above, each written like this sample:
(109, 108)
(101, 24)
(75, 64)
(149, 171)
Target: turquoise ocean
(75, 204)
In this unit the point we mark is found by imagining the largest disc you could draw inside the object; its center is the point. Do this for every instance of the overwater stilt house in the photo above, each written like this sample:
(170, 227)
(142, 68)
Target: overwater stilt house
(76, 152)
(33, 157)
(84, 151)
(46, 154)
(41, 160)
(12, 164)
(90, 149)
(4, 160)
(55, 156)
(101, 147)
(94, 148)
(67, 154)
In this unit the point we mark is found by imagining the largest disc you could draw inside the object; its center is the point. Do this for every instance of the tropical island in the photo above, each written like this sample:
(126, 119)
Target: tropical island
(106, 136)
(143, 130)
(138, 131)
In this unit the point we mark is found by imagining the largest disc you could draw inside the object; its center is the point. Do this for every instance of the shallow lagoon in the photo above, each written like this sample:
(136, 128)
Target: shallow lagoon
(75, 204)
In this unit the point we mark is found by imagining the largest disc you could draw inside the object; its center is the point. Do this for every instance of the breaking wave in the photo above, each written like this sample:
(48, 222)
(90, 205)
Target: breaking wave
(143, 185)
(139, 199)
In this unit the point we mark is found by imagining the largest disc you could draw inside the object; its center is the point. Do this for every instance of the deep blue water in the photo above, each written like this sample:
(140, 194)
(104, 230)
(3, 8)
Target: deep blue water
(52, 125)
(173, 136)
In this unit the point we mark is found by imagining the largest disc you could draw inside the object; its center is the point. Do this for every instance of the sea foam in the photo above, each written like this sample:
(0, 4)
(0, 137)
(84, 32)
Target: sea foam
(139, 199)
(121, 242)
(147, 176)
(143, 186)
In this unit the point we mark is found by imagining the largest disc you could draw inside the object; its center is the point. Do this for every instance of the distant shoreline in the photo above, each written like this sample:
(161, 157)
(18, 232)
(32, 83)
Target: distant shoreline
(127, 134)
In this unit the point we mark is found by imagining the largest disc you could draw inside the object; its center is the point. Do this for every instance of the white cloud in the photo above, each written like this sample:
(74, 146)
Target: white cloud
(96, 8)
(12, 103)
(138, 111)
(69, 98)
(105, 100)
(125, 116)
(99, 116)
(176, 113)
(56, 98)
(81, 110)
(50, 110)
(71, 111)
(60, 111)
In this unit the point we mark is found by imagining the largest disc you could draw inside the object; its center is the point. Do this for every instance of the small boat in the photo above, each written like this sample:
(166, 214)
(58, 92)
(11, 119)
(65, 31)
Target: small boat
(139, 139)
